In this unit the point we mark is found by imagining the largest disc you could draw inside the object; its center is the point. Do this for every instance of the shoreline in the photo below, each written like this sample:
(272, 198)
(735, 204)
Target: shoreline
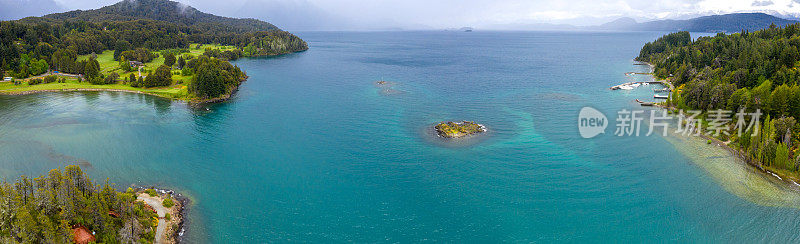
(189, 102)
(220, 99)
(736, 152)
(747, 160)
(173, 235)
(21, 93)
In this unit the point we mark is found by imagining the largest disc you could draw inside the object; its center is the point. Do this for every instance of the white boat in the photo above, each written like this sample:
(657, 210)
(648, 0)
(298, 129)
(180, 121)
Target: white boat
(660, 96)
(625, 87)
(634, 85)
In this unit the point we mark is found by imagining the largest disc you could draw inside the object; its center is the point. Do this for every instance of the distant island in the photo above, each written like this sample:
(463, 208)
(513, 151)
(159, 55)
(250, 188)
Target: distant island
(458, 129)
(749, 72)
(155, 47)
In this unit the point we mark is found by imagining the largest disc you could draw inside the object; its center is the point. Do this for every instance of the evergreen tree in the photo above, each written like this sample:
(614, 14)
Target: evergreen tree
(124, 65)
(169, 59)
(181, 62)
(42, 210)
(91, 69)
(119, 47)
(161, 77)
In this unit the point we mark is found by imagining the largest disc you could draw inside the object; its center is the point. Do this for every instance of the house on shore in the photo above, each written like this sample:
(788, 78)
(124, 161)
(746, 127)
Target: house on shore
(136, 64)
(82, 235)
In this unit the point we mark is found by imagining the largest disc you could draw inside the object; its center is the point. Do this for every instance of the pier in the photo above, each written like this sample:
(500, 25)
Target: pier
(634, 84)
(647, 104)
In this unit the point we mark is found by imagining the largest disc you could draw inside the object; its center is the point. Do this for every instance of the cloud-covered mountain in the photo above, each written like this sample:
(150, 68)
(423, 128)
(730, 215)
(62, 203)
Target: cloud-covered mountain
(162, 10)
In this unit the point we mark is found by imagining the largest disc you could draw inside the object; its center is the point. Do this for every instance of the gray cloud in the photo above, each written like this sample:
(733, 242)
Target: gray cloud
(15, 9)
(420, 14)
(291, 15)
(763, 3)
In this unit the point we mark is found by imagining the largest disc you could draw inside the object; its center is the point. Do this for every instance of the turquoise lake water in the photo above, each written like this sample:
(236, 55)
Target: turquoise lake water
(312, 150)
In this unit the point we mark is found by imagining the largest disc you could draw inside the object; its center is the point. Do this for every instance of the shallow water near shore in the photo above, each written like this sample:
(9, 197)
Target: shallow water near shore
(311, 150)
(734, 175)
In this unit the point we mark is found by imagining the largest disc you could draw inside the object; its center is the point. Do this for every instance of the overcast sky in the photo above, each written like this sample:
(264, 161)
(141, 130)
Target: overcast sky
(426, 14)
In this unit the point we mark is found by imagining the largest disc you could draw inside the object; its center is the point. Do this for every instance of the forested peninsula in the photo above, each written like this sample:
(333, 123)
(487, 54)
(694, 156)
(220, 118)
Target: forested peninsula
(747, 72)
(65, 206)
(156, 47)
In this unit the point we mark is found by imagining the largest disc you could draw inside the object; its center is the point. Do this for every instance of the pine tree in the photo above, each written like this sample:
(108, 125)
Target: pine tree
(169, 59)
(92, 69)
(181, 62)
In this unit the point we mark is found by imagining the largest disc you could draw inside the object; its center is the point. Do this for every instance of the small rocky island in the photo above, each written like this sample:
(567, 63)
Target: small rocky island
(458, 129)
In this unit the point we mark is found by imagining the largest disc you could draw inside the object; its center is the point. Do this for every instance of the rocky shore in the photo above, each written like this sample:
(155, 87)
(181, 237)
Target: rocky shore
(452, 129)
(175, 227)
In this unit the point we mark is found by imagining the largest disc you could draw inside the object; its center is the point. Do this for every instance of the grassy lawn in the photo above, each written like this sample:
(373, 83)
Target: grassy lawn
(106, 60)
(202, 49)
(175, 91)
(109, 65)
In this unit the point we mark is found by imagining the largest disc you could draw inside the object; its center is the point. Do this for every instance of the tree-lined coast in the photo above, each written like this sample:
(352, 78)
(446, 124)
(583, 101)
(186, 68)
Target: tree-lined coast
(745, 73)
(147, 46)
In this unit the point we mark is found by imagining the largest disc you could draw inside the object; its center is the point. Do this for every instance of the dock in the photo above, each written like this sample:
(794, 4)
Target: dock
(647, 104)
(662, 90)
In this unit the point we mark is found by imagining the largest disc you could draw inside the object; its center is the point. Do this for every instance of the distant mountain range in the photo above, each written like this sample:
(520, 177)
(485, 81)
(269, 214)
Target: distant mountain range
(714, 23)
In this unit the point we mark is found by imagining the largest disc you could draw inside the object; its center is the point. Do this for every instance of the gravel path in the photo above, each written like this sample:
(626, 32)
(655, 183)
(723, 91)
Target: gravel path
(160, 210)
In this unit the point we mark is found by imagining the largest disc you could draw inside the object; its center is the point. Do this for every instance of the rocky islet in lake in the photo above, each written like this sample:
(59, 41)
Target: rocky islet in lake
(452, 129)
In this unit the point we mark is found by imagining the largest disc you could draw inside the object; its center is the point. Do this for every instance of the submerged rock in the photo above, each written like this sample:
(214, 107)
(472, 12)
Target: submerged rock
(385, 83)
(458, 129)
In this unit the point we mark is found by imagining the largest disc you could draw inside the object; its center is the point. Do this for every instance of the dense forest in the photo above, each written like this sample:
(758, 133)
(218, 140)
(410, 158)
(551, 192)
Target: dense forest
(213, 77)
(747, 71)
(47, 208)
(134, 29)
